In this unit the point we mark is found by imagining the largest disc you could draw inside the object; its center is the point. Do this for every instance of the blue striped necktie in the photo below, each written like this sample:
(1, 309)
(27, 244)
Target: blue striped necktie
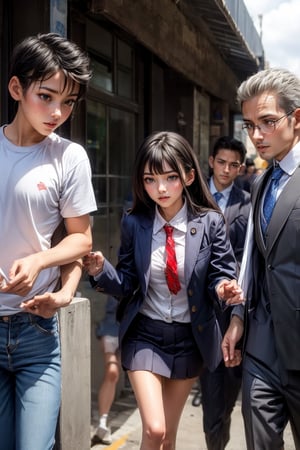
(218, 196)
(270, 197)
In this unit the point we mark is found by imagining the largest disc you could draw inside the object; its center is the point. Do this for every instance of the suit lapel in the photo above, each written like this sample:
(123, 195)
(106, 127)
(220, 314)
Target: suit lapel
(283, 208)
(281, 212)
(193, 242)
(257, 191)
(231, 207)
(144, 247)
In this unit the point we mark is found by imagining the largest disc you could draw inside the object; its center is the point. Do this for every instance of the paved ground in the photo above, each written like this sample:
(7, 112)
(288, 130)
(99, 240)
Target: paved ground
(126, 427)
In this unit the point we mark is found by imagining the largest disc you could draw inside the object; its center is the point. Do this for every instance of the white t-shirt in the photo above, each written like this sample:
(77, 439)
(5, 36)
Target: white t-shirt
(39, 185)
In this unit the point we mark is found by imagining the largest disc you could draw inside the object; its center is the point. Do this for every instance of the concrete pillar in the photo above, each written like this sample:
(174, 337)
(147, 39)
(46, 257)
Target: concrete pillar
(73, 431)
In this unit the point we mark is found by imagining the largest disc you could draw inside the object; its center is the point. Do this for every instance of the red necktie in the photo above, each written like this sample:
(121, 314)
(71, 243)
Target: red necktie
(171, 263)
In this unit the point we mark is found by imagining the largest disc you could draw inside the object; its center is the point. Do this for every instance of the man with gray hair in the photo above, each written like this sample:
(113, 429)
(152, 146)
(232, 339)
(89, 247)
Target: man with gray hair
(270, 270)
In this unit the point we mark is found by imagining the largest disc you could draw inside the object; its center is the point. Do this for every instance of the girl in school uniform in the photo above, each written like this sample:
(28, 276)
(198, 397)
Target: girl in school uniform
(168, 331)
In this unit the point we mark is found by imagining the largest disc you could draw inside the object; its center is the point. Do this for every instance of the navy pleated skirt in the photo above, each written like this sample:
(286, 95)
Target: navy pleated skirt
(167, 349)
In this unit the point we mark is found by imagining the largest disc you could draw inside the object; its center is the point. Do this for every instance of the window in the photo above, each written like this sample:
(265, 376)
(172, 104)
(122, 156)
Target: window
(111, 132)
(112, 62)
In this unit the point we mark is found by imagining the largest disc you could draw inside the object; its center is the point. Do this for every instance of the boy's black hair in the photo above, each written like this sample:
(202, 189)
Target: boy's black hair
(228, 143)
(37, 58)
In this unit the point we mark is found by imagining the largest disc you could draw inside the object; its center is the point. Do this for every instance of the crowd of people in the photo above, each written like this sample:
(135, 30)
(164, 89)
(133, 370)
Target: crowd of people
(206, 285)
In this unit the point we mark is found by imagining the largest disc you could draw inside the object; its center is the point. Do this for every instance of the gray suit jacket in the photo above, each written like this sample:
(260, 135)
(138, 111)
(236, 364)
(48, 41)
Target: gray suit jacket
(208, 259)
(274, 318)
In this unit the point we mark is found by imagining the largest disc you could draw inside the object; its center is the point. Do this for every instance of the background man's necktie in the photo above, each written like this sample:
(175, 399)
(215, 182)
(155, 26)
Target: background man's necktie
(218, 196)
(171, 263)
(270, 197)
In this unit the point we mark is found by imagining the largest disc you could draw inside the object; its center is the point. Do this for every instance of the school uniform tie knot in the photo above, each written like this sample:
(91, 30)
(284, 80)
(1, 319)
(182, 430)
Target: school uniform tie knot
(218, 196)
(171, 270)
(270, 197)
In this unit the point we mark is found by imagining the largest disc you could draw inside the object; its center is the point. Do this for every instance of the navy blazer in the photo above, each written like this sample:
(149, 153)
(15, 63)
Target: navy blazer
(236, 214)
(208, 260)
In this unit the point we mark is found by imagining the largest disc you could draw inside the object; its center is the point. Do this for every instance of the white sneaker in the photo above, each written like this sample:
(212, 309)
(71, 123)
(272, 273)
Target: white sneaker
(104, 434)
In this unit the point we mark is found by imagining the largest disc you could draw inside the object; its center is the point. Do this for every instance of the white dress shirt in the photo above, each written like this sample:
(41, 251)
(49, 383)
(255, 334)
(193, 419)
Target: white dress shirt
(159, 302)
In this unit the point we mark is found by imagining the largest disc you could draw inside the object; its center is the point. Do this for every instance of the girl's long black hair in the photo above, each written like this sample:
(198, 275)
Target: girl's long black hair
(173, 149)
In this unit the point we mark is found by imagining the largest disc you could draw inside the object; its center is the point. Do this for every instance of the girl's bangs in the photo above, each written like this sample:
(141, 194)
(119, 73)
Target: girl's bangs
(158, 158)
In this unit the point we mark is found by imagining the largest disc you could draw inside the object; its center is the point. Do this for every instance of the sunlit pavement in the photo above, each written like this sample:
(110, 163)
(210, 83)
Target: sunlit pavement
(126, 427)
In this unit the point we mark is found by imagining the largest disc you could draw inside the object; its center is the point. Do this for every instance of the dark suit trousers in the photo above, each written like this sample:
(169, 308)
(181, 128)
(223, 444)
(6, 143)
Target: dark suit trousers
(269, 401)
(220, 390)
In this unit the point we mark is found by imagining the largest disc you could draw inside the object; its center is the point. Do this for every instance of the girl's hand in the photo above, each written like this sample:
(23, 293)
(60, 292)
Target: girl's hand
(93, 263)
(230, 292)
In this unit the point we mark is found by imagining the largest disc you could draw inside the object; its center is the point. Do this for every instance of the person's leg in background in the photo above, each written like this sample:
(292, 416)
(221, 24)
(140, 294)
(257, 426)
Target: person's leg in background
(213, 406)
(219, 390)
(232, 387)
(197, 395)
(107, 389)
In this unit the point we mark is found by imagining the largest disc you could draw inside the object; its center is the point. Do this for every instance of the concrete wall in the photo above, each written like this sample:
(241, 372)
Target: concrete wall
(97, 305)
(73, 431)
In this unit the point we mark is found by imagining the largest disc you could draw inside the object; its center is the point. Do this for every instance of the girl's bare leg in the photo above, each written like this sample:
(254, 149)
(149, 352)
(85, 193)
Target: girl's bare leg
(175, 394)
(160, 402)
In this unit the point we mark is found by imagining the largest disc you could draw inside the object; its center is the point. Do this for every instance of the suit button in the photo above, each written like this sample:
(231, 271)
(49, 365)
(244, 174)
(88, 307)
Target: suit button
(190, 292)
(194, 308)
(200, 328)
(270, 267)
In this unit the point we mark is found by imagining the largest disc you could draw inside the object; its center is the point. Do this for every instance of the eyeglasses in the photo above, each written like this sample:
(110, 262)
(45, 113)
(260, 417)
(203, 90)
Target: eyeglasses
(266, 126)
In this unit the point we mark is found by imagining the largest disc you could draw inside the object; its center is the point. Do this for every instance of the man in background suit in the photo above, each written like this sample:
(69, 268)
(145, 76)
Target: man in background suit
(220, 388)
(270, 102)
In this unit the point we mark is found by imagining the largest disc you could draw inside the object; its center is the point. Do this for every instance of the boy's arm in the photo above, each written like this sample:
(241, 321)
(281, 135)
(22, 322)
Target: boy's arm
(76, 243)
(47, 304)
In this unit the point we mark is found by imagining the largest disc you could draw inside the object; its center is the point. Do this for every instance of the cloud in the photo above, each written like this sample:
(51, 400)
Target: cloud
(280, 29)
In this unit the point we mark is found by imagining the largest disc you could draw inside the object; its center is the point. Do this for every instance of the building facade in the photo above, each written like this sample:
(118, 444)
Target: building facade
(157, 65)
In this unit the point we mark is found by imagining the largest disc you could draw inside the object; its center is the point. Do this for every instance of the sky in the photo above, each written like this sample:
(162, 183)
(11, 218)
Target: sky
(280, 31)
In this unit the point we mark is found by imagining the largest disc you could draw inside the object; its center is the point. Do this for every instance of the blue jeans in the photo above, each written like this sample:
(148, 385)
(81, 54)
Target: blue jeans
(30, 382)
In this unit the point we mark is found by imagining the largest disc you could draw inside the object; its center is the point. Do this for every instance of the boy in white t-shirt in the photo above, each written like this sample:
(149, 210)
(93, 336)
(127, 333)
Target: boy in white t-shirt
(44, 180)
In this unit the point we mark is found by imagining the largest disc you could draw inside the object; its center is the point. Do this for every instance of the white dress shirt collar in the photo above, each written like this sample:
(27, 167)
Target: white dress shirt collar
(291, 160)
(179, 221)
(225, 192)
